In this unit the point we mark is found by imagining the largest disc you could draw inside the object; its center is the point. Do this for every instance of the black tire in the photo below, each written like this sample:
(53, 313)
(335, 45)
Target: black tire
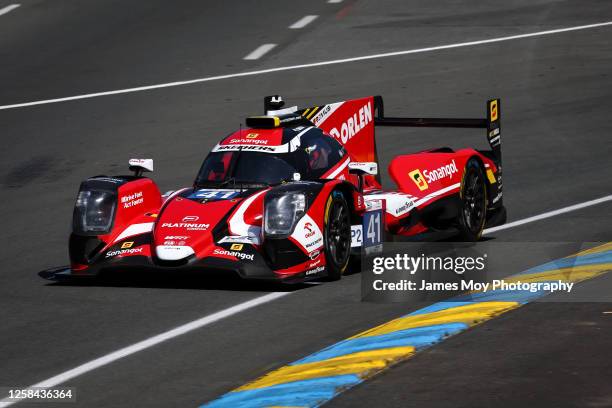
(473, 207)
(337, 235)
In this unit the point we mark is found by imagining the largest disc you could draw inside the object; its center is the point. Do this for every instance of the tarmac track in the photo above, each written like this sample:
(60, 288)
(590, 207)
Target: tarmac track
(556, 92)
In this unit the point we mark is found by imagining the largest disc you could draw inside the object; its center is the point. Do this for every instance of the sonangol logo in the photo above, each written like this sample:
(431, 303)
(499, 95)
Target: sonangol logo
(443, 171)
(493, 110)
(240, 255)
(122, 252)
(418, 179)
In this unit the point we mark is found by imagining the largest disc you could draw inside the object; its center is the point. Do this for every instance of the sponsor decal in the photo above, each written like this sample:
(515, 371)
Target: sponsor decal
(180, 237)
(309, 231)
(322, 113)
(236, 247)
(314, 264)
(308, 234)
(187, 225)
(109, 179)
(127, 244)
(354, 124)
(396, 203)
(138, 161)
(494, 110)
(252, 135)
(255, 141)
(441, 172)
(132, 200)
(313, 255)
(356, 235)
(241, 239)
(376, 204)
(190, 218)
(497, 197)
(314, 243)
(418, 179)
(403, 209)
(215, 194)
(315, 270)
(491, 176)
(494, 137)
(240, 255)
(256, 148)
(121, 252)
(170, 243)
(325, 112)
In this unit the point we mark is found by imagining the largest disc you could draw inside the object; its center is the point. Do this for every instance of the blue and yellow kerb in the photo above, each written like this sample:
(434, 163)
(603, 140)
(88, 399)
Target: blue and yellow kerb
(315, 379)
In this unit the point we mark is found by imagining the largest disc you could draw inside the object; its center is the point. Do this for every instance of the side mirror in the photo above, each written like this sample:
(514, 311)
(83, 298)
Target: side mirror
(139, 166)
(361, 168)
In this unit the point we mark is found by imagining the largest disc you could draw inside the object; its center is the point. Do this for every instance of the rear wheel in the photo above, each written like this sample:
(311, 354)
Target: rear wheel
(337, 235)
(473, 212)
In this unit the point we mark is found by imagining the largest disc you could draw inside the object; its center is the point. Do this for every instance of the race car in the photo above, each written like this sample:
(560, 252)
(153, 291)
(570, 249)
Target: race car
(292, 197)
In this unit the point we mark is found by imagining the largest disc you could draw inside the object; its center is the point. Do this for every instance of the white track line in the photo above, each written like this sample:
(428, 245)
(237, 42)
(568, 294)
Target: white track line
(8, 8)
(334, 1)
(302, 66)
(303, 22)
(259, 51)
(549, 214)
(152, 341)
(207, 320)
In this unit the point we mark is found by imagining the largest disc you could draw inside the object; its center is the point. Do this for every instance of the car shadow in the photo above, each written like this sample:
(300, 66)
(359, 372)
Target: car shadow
(151, 279)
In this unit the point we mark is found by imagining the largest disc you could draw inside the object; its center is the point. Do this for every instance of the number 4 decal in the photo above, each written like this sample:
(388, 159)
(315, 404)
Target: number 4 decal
(372, 225)
(374, 228)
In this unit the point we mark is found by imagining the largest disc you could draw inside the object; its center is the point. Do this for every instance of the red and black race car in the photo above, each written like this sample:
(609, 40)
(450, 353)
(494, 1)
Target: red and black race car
(291, 197)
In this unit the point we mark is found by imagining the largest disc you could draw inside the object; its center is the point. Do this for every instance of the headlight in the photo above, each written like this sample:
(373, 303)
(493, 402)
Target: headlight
(282, 212)
(94, 212)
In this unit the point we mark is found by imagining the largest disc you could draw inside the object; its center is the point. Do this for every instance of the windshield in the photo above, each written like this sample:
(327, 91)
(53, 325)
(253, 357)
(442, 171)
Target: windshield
(313, 158)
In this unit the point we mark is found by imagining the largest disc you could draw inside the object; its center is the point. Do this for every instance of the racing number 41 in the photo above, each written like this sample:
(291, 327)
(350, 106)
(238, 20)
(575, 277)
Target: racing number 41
(373, 226)
(373, 233)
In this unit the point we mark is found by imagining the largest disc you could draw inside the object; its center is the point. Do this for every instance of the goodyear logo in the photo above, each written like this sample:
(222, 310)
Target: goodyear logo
(236, 247)
(493, 108)
(418, 179)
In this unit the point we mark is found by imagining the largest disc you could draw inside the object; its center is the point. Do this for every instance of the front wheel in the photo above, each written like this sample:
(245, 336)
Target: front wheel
(473, 211)
(337, 235)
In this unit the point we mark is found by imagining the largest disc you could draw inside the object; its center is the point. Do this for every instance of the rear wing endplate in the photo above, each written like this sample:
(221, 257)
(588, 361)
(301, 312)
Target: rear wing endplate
(491, 123)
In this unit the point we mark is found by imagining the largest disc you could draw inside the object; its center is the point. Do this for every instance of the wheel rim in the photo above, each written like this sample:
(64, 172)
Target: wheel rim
(339, 233)
(473, 198)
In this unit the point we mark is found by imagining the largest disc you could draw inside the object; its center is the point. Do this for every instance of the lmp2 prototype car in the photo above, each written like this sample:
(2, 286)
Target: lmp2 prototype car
(290, 198)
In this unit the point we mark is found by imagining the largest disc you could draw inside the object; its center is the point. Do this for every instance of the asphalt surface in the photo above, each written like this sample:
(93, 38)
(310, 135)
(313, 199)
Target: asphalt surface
(556, 95)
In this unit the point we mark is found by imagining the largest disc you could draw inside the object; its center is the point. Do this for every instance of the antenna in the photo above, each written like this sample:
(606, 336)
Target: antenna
(273, 102)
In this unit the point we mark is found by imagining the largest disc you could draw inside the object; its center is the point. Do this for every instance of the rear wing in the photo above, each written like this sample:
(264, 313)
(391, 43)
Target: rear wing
(491, 122)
